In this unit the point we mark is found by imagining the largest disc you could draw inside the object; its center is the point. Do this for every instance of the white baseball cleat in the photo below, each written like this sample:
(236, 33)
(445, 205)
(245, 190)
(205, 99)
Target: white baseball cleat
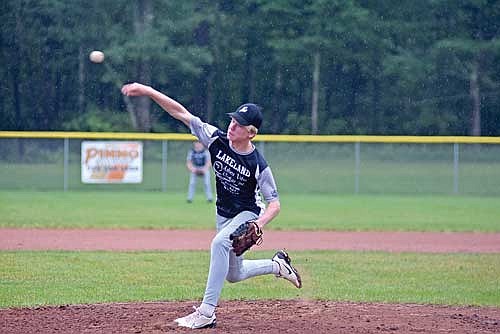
(287, 271)
(196, 320)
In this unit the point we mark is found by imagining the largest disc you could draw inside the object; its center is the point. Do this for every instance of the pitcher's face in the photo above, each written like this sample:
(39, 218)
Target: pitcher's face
(237, 132)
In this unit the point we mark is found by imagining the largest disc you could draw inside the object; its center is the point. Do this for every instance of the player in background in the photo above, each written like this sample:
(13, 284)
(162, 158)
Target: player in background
(198, 163)
(241, 175)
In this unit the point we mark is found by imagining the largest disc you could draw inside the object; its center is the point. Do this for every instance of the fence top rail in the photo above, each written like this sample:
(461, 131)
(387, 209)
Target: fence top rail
(262, 137)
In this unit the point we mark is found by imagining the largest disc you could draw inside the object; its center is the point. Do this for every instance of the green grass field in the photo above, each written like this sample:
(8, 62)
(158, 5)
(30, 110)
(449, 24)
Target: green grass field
(156, 210)
(54, 277)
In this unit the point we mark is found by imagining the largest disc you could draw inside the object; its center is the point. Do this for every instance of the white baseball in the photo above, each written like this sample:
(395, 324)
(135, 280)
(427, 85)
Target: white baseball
(96, 56)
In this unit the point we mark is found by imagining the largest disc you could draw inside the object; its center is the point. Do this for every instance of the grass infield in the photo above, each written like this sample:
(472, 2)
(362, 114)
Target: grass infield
(53, 278)
(57, 278)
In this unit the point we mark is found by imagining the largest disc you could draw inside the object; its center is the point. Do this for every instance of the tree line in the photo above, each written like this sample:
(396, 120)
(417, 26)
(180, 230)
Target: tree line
(393, 67)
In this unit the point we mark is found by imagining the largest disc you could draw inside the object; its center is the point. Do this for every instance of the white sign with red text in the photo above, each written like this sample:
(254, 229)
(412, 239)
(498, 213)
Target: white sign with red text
(111, 162)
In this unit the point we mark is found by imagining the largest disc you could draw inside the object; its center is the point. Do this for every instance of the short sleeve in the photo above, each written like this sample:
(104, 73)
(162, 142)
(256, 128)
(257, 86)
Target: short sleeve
(203, 131)
(267, 185)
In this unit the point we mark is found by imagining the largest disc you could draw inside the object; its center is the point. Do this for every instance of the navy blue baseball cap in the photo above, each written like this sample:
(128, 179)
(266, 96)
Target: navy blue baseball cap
(248, 114)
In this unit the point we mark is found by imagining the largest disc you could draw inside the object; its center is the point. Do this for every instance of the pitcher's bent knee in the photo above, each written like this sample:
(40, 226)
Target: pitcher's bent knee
(233, 277)
(219, 243)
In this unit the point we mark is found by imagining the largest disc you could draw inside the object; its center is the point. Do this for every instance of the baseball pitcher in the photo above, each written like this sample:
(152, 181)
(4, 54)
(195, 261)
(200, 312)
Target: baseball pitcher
(242, 175)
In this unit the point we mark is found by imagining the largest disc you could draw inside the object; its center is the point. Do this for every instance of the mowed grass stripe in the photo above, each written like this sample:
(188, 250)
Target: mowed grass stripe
(55, 278)
(153, 210)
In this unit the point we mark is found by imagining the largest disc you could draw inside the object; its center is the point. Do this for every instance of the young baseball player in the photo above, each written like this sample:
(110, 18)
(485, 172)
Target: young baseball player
(241, 172)
(198, 163)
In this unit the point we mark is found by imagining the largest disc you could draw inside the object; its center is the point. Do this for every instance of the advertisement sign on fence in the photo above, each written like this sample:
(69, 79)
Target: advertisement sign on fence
(111, 162)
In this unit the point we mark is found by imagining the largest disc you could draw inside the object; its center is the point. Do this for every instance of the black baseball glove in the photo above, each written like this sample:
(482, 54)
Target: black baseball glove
(245, 236)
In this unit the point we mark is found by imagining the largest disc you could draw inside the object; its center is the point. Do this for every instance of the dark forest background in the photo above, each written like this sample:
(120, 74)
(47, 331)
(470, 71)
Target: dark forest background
(392, 67)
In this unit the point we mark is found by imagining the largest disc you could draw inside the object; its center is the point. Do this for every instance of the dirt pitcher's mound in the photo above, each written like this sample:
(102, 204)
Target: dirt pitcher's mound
(292, 316)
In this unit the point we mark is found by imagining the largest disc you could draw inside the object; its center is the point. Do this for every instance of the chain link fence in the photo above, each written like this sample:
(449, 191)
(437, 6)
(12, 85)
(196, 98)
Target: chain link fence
(344, 167)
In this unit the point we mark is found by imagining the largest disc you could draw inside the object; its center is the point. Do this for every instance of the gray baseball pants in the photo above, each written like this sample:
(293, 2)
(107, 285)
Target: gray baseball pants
(225, 265)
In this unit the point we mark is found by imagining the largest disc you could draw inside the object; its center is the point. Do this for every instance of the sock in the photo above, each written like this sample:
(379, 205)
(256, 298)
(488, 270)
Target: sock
(206, 309)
